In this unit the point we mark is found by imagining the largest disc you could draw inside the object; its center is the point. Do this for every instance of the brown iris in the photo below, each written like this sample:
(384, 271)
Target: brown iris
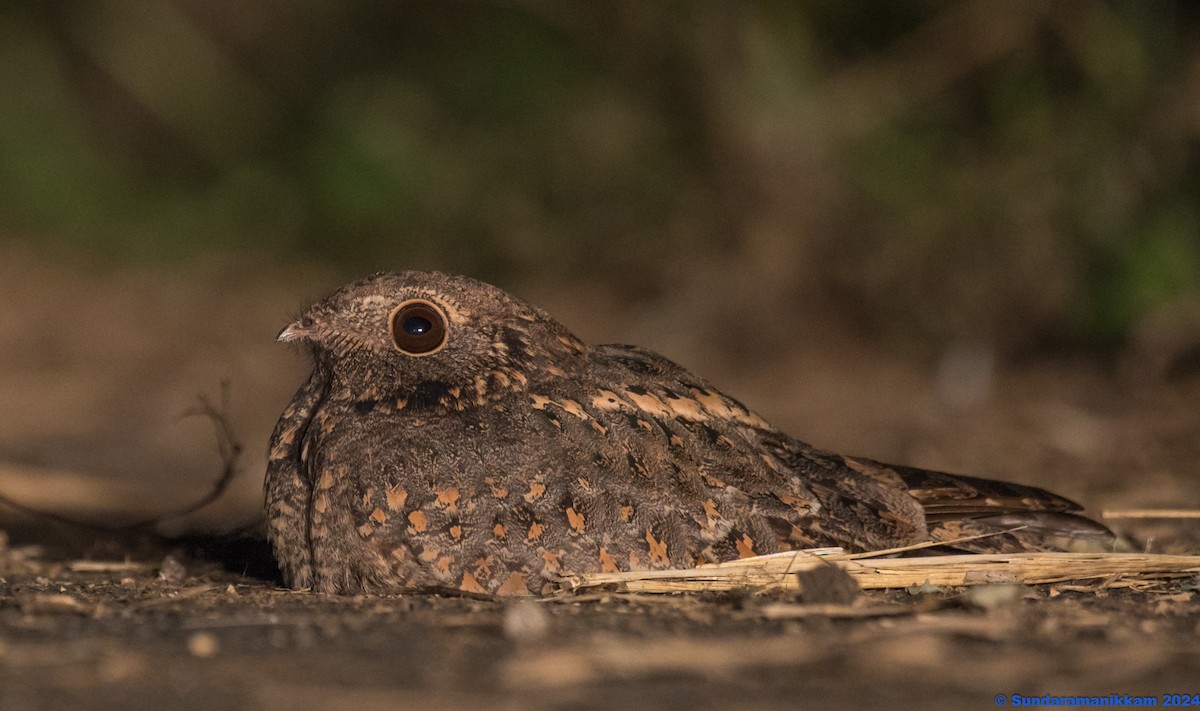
(418, 327)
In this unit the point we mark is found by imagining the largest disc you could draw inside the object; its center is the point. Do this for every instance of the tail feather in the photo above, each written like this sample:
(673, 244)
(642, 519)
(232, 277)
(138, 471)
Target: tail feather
(976, 515)
(953, 494)
(1028, 532)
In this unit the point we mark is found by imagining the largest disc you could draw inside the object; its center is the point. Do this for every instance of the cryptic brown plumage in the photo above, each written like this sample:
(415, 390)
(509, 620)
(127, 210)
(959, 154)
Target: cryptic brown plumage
(451, 435)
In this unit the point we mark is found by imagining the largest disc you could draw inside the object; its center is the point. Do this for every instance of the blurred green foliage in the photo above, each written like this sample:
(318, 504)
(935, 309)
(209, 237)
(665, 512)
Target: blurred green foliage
(1009, 170)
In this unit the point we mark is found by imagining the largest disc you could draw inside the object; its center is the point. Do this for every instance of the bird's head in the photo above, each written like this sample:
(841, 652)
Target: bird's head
(397, 332)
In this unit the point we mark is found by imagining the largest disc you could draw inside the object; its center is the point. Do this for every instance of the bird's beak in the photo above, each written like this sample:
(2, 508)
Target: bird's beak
(300, 330)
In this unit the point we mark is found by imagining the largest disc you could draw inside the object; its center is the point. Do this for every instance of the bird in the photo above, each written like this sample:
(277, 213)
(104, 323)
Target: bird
(452, 436)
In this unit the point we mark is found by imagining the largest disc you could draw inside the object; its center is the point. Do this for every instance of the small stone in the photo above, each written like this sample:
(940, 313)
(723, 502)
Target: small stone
(171, 570)
(116, 666)
(827, 584)
(990, 597)
(526, 621)
(203, 645)
(925, 588)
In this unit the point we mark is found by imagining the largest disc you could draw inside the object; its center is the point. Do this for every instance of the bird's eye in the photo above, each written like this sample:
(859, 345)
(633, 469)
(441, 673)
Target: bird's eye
(418, 328)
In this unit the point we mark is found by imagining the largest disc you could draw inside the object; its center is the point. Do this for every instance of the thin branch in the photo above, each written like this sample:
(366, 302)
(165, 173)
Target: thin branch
(883, 573)
(229, 448)
(1151, 513)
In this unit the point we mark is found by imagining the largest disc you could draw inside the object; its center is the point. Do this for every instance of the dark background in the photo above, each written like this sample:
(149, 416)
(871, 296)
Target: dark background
(956, 234)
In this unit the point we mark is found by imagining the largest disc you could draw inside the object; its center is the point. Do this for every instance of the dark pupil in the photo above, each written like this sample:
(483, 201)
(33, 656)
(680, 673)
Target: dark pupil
(418, 328)
(417, 325)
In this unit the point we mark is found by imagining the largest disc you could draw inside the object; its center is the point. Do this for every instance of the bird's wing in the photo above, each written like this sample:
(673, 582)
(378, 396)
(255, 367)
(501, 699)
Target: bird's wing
(994, 515)
(952, 495)
(288, 487)
(775, 485)
(977, 515)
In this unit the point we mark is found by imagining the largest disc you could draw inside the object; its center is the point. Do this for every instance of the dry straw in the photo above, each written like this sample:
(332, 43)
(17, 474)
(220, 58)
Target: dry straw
(777, 571)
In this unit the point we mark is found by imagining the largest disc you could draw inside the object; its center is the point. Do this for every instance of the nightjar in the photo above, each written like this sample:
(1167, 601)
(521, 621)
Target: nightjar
(454, 436)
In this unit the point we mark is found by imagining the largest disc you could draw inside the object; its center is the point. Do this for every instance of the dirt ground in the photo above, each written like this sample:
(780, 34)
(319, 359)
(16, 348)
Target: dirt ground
(97, 369)
(123, 637)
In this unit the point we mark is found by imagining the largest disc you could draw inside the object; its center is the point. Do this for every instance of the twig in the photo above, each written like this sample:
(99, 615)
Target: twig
(1151, 513)
(786, 611)
(108, 566)
(229, 447)
(885, 573)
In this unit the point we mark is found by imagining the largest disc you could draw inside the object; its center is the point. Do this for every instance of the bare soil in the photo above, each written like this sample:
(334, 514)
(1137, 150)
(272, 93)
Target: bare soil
(126, 638)
(187, 617)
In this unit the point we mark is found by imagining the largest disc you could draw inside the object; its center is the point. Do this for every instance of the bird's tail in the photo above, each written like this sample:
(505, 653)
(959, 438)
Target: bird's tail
(975, 515)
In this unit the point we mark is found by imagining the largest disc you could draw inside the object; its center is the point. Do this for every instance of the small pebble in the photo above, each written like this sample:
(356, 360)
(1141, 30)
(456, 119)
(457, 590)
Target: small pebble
(925, 588)
(526, 621)
(171, 570)
(203, 644)
(990, 597)
(827, 585)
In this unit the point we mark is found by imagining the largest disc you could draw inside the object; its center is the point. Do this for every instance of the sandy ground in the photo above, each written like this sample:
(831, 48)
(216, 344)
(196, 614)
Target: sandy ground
(125, 638)
(98, 368)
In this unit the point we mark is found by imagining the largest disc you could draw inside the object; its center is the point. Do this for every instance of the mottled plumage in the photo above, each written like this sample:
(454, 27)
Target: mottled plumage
(451, 435)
